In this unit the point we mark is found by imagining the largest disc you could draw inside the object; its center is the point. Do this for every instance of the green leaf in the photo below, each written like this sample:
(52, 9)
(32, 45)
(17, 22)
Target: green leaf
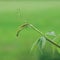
(34, 45)
(51, 35)
(42, 42)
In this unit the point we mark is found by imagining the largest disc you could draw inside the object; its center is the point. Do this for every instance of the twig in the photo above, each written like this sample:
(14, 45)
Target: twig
(34, 28)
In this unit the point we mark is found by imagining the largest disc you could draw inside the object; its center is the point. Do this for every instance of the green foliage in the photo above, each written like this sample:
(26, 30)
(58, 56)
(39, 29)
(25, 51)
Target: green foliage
(52, 35)
(41, 42)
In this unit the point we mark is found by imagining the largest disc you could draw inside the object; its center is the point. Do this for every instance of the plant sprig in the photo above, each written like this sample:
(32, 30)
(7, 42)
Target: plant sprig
(38, 31)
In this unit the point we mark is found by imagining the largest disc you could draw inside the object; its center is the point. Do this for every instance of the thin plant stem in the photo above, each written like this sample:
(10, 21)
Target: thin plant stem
(44, 36)
(34, 28)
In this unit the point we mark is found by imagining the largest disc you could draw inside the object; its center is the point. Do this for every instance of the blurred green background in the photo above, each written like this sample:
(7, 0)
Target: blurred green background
(45, 15)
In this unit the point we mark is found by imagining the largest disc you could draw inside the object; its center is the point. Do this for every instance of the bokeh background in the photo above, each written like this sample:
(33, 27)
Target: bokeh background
(45, 15)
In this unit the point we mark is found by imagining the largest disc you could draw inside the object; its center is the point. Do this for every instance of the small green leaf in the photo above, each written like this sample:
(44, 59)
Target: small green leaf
(34, 45)
(52, 33)
(42, 42)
